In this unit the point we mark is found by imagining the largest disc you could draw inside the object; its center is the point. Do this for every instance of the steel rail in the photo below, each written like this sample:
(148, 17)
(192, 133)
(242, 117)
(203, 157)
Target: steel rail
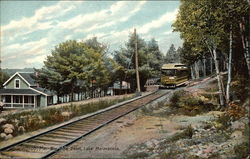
(70, 136)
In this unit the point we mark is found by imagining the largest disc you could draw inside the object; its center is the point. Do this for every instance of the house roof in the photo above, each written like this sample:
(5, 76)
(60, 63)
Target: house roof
(117, 85)
(26, 76)
(42, 91)
(18, 92)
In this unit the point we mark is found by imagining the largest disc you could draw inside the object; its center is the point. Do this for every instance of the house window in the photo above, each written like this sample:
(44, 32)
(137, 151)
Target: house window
(17, 83)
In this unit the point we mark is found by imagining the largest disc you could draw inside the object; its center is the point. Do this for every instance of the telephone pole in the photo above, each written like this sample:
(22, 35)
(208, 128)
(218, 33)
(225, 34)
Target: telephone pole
(138, 91)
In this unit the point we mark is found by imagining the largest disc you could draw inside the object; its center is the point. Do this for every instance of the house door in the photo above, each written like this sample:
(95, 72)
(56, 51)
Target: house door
(38, 101)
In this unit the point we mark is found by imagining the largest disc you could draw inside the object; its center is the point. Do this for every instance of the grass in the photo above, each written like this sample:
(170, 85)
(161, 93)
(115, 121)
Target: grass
(172, 153)
(186, 133)
(42, 118)
(187, 104)
(242, 150)
(138, 155)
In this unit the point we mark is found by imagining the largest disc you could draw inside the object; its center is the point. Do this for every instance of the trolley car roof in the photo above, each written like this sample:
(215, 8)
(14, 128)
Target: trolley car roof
(174, 66)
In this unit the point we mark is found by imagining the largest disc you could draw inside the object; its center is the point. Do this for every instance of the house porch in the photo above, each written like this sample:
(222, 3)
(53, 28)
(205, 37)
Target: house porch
(20, 101)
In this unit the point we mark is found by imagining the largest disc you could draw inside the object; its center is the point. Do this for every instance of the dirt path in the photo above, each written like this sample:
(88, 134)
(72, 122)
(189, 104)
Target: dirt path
(135, 128)
(112, 140)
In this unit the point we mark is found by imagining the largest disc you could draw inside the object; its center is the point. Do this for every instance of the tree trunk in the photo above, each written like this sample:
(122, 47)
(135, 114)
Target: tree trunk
(192, 71)
(229, 67)
(220, 85)
(196, 67)
(204, 66)
(211, 65)
(120, 91)
(245, 41)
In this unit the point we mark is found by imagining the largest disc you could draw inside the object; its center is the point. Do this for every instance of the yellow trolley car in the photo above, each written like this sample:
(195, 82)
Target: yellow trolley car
(173, 75)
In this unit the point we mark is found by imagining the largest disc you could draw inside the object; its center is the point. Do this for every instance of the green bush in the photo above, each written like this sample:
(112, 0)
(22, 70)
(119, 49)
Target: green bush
(138, 155)
(44, 117)
(242, 150)
(240, 87)
(186, 133)
(175, 99)
(187, 104)
(192, 101)
(223, 122)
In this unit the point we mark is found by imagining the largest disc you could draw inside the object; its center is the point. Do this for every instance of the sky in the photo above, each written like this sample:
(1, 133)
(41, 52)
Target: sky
(31, 29)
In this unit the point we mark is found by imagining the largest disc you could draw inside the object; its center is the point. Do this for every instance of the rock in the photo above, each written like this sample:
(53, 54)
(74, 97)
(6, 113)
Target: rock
(238, 125)
(8, 131)
(155, 142)
(66, 114)
(180, 156)
(8, 126)
(208, 150)
(42, 121)
(8, 137)
(244, 120)
(40, 117)
(199, 153)
(3, 135)
(149, 144)
(15, 121)
(236, 134)
(2, 120)
(21, 129)
(204, 99)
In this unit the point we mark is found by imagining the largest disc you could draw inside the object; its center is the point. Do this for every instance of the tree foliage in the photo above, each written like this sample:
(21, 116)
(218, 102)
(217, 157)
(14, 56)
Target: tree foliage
(74, 66)
(205, 26)
(172, 55)
(150, 60)
(3, 77)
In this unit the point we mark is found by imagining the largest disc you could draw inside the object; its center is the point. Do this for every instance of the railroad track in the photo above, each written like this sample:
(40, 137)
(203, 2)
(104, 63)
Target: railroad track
(48, 143)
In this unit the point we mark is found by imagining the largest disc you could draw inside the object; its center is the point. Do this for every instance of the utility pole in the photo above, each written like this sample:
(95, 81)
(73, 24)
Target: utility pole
(1, 73)
(138, 92)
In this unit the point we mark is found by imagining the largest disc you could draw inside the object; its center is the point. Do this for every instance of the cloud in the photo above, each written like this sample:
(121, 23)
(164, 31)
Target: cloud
(55, 25)
(37, 59)
(39, 21)
(68, 37)
(25, 55)
(167, 17)
(168, 32)
(166, 41)
(118, 12)
(98, 35)
(31, 48)
(46, 13)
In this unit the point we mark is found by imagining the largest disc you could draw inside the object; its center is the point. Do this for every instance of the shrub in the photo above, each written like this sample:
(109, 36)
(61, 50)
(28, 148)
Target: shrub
(242, 150)
(175, 99)
(138, 155)
(235, 111)
(190, 105)
(222, 122)
(240, 87)
(44, 117)
(171, 153)
(186, 133)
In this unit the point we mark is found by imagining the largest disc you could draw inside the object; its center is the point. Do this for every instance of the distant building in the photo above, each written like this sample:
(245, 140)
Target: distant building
(118, 88)
(21, 91)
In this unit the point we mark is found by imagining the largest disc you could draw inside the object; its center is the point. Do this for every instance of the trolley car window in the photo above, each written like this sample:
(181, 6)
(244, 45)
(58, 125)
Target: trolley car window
(168, 72)
(182, 73)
